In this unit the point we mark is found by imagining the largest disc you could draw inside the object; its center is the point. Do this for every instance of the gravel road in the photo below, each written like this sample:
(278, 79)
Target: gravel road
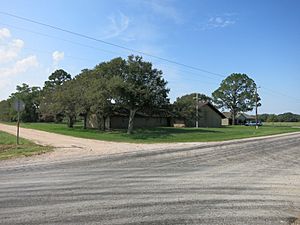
(249, 182)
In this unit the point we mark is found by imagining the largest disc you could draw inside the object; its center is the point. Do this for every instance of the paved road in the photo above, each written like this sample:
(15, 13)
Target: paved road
(254, 182)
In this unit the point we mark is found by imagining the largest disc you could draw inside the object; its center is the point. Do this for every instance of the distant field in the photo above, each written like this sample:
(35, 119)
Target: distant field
(164, 134)
(280, 124)
(9, 149)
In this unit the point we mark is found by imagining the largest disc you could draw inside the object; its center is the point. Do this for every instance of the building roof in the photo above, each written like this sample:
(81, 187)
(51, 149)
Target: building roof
(246, 116)
(227, 114)
(125, 113)
(202, 104)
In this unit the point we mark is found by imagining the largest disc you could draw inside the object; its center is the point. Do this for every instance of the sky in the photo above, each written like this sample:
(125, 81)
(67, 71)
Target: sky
(213, 38)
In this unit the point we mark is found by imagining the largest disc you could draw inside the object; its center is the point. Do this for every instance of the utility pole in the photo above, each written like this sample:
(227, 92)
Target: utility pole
(197, 110)
(256, 106)
(18, 128)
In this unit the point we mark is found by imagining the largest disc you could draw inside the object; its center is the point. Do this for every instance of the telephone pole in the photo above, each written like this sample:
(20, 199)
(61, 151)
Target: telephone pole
(256, 106)
(197, 110)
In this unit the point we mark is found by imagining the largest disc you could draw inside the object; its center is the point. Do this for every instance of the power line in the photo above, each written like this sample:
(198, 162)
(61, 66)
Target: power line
(280, 94)
(62, 39)
(170, 79)
(109, 43)
(119, 46)
(110, 52)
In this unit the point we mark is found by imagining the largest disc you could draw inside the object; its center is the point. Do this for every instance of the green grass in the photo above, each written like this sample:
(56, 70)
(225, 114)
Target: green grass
(164, 134)
(9, 149)
(283, 124)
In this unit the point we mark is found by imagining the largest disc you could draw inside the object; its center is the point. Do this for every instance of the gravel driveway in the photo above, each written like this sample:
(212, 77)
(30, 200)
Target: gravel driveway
(245, 182)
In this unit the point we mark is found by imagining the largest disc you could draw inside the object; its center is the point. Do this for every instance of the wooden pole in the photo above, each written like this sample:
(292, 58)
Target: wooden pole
(18, 127)
(197, 110)
(256, 115)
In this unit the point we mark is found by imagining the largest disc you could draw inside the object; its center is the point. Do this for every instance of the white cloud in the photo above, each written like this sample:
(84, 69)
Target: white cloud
(11, 51)
(4, 33)
(219, 22)
(57, 57)
(20, 66)
(17, 43)
(216, 22)
(118, 24)
(164, 8)
(12, 64)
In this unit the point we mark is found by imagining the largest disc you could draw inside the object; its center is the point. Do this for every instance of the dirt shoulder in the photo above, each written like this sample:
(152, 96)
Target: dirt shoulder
(67, 147)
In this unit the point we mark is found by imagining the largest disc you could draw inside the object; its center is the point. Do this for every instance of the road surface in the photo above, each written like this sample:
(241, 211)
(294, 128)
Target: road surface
(249, 182)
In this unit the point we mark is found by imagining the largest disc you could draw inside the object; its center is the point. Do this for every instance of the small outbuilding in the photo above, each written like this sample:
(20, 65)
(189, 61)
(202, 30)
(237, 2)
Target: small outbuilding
(209, 115)
(240, 119)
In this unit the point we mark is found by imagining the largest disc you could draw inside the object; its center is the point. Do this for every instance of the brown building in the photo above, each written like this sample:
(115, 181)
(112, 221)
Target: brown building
(141, 120)
(241, 118)
(209, 116)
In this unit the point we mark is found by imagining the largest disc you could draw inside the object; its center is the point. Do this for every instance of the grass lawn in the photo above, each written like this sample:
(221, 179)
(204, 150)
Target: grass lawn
(9, 149)
(283, 124)
(165, 134)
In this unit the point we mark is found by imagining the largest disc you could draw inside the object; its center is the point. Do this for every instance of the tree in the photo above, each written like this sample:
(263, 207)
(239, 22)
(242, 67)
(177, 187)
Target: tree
(288, 117)
(66, 97)
(106, 82)
(83, 82)
(31, 97)
(51, 93)
(263, 117)
(185, 107)
(6, 111)
(57, 78)
(236, 93)
(272, 118)
(142, 88)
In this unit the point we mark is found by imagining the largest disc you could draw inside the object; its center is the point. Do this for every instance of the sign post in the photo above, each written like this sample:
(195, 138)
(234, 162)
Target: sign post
(19, 106)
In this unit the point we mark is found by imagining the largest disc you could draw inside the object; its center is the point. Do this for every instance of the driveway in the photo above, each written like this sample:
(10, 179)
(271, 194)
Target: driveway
(244, 182)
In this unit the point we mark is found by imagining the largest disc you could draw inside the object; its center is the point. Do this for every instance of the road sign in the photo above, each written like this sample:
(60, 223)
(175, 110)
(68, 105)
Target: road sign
(19, 105)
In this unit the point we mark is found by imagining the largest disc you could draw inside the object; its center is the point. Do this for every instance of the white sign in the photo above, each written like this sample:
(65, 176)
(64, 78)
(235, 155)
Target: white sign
(19, 105)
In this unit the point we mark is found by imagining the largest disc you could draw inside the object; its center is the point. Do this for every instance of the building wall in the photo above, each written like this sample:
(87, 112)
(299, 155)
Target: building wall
(139, 122)
(226, 122)
(240, 120)
(209, 118)
(121, 122)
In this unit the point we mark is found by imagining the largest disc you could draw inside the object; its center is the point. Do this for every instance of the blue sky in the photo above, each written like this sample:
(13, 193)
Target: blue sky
(259, 38)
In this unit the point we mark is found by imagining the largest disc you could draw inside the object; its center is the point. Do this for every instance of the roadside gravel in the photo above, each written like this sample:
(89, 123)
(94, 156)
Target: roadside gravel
(72, 148)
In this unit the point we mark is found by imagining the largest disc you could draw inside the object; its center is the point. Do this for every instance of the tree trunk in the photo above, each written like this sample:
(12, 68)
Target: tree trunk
(71, 121)
(130, 122)
(233, 117)
(100, 119)
(85, 120)
(103, 123)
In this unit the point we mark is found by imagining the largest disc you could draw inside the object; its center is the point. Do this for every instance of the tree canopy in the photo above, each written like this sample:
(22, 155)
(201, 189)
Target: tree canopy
(284, 117)
(57, 78)
(237, 93)
(31, 97)
(54, 94)
(143, 87)
(131, 84)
